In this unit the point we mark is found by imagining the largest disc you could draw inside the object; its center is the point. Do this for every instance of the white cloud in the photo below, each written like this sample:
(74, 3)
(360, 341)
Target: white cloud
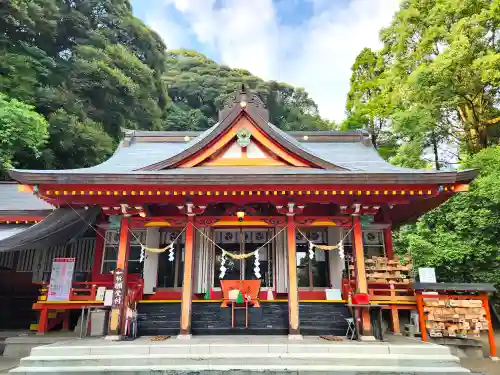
(316, 54)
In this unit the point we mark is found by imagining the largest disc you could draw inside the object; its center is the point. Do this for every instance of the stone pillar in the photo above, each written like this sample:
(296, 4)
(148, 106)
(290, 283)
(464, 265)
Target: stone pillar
(361, 283)
(120, 283)
(151, 261)
(187, 282)
(293, 291)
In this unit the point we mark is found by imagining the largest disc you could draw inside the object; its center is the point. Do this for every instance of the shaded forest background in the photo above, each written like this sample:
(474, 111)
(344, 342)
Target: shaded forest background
(74, 72)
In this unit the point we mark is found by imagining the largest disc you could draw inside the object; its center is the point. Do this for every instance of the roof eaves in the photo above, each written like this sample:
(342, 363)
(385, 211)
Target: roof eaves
(226, 178)
(467, 175)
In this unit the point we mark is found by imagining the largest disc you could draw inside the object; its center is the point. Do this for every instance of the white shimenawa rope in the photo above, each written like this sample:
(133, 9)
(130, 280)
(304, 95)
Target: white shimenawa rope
(169, 247)
(225, 252)
(312, 245)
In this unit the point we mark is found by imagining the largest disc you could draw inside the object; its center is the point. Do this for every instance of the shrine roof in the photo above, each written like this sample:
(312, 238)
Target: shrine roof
(352, 151)
(325, 157)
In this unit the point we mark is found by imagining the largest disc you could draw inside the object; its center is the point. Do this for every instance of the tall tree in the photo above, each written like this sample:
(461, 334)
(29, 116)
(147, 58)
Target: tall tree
(89, 62)
(91, 68)
(444, 61)
(367, 104)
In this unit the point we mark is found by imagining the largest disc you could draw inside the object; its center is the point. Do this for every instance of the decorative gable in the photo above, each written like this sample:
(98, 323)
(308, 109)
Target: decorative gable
(244, 144)
(243, 137)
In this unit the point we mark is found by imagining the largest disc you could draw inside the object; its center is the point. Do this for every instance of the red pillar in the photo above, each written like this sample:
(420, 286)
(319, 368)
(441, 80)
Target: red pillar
(43, 322)
(293, 291)
(421, 316)
(187, 281)
(388, 243)
(117, 310)
(491, 335)
(361, 283)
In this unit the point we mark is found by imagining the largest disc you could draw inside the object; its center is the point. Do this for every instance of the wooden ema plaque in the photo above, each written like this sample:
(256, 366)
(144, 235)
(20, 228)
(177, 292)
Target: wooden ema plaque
(249, 288)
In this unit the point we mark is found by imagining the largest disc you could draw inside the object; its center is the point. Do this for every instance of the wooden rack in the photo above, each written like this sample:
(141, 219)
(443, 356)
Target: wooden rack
(455, 318)
(386, 271)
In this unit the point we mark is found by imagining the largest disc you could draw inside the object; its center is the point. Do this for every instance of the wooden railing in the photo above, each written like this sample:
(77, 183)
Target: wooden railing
(382, 292)
(395, 293)
(87, 291)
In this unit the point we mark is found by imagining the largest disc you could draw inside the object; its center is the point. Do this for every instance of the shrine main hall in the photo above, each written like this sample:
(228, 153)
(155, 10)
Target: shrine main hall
(192, 224)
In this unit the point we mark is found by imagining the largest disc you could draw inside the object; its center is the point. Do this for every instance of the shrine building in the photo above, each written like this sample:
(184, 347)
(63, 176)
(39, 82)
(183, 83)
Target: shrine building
(297, 222)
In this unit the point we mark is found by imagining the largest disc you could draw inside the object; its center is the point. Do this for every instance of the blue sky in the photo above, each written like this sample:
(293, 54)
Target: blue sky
(307, 43)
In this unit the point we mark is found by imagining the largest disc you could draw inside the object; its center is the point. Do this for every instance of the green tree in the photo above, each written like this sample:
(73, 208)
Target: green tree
(90, 61)
(21, 130)
(196, 83)
(91, 68)
(76, 143)
(460, 238)
(367, 105)
(443, 60)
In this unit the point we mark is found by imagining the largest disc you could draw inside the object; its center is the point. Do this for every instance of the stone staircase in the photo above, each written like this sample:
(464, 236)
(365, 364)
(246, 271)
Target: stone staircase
(238, 355)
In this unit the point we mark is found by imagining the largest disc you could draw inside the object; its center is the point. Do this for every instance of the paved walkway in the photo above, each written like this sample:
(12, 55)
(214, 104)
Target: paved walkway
(7, 364)
(481, 366)
(484, 365)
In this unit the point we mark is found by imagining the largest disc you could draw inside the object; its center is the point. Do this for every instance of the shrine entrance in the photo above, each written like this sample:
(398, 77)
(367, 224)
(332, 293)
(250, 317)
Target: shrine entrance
(244, 241)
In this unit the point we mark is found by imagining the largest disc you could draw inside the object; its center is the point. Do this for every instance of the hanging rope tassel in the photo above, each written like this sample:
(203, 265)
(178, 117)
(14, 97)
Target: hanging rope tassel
(256, 269)
(222, 268)
(157, 250)
(143, 255)
(171, 252)
(311, 250)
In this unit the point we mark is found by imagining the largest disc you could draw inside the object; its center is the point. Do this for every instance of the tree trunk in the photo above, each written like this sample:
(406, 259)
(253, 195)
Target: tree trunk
(435, 150)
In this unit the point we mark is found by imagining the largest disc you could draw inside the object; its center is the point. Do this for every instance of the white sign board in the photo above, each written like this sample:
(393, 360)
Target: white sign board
(427, 275)
(108, 297)
(61, 278)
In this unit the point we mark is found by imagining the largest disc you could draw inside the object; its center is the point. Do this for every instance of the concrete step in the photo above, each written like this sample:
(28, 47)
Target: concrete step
(21, 346)
(100, 347)
(240, 370)
(236, 359)
(239, 356)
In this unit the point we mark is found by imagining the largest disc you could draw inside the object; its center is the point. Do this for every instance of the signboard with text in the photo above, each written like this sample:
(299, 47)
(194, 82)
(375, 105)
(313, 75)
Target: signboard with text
(61, 279)
(118, 289)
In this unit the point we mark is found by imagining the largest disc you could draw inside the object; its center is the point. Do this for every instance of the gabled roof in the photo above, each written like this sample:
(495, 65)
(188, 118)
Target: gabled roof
(331, 157)
(251, 106)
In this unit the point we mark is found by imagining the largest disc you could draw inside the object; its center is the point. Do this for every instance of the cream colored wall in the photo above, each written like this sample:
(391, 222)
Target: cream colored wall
(336, 263)
(151, 261)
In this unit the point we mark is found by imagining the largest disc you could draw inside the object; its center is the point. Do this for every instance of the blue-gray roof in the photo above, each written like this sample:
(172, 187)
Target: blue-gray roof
(11, 200)
(136, 153)
(147, 157)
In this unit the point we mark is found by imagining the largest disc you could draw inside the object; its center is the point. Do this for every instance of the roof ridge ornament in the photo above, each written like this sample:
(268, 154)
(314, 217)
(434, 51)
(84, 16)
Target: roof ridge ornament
(246, 100)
